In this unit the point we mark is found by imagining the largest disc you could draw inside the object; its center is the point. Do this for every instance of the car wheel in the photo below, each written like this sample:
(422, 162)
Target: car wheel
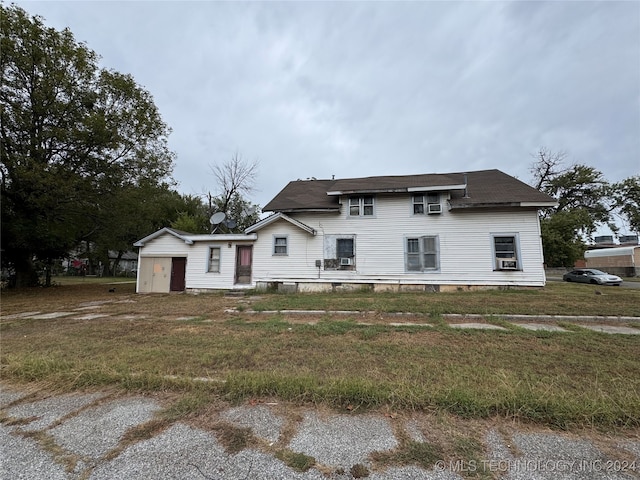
(594, 282)
(567, 279)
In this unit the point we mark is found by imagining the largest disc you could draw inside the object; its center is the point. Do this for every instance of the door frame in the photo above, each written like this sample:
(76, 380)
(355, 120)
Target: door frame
(178, 276)
(237, 274)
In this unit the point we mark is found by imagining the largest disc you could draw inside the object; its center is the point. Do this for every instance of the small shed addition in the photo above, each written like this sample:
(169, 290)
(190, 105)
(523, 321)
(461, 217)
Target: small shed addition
(174, 261)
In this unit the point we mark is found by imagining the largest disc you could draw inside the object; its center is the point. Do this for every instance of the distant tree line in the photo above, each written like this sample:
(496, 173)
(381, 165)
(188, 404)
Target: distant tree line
(84, 155)
(586, 202)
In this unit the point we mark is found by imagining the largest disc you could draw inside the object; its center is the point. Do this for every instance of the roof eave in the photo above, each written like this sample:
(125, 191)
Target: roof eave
(432, 188)
(462, 206)
(305, 210)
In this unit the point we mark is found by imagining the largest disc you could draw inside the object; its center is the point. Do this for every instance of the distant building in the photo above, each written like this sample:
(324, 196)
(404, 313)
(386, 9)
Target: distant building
(621, 260)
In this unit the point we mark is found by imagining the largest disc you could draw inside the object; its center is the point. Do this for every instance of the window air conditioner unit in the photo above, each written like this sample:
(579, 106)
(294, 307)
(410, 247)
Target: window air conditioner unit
(346, 261)
(507, 264)
(434, 208)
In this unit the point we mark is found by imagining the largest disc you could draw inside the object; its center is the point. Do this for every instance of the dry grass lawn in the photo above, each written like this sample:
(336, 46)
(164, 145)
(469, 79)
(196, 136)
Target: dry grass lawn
(188, 345)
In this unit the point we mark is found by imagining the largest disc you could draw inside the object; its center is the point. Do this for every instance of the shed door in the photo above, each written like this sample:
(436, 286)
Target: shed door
(178, 269)
(244, 256)
(154, 275)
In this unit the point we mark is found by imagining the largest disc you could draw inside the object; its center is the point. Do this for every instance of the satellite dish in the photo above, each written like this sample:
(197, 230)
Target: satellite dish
(250, 210)
(231, 223)
(217, 218)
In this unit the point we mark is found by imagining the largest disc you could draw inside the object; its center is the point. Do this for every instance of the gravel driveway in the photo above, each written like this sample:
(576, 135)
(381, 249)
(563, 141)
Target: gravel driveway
(84, 436)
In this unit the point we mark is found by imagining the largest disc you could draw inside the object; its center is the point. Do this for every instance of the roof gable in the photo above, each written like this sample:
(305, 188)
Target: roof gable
(184, 236)
(279, 216)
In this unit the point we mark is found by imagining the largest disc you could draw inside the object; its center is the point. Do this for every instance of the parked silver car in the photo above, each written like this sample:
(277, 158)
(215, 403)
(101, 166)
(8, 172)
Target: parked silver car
(593, 276)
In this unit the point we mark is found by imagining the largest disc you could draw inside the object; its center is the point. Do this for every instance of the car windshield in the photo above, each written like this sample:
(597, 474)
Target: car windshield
(597, 272)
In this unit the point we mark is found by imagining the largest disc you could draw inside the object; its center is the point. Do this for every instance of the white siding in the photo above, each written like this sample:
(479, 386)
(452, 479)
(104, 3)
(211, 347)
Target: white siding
(465, 240)
(198, 276)
(303, 250)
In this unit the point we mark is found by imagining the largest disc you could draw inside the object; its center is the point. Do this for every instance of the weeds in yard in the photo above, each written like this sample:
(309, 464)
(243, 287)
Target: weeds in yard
(581, 378)
(295, 460)
(359, 471)
(234, 439)
(410, 452)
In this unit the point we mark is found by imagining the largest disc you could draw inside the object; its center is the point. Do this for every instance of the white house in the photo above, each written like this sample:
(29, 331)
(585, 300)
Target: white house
(426, 232)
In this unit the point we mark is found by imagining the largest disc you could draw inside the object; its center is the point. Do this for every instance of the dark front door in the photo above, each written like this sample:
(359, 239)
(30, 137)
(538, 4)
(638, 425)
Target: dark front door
(244, 256)
(178, 269)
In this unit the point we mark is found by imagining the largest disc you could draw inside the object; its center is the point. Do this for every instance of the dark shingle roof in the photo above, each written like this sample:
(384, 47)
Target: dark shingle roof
(304, 195)
(485, 188)
(496, 188)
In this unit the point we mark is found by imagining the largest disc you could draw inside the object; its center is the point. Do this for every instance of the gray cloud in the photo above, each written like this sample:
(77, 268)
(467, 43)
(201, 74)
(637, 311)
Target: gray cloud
(357, 89)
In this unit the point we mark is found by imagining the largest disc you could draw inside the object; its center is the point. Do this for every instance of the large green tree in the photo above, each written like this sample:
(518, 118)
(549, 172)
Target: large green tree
(586, 202)
(75, 140)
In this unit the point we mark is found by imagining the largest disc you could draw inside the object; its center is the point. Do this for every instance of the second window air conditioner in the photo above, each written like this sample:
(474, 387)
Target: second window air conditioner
(434, 208)
(346, 261)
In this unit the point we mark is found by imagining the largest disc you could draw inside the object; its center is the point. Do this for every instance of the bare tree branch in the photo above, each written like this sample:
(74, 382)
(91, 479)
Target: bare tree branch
(237, 176)
(547, 166)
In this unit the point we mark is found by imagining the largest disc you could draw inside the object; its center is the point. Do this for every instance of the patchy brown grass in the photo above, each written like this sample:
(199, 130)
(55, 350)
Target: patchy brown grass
(187, 344)
(556, 298)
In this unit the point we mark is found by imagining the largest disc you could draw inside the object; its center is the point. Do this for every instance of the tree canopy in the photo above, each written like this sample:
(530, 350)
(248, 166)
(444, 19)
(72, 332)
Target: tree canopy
(77, 142)
(586, 202)
(626, 195)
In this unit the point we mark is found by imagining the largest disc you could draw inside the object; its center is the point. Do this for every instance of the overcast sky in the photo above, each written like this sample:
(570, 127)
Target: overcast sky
(376, 88)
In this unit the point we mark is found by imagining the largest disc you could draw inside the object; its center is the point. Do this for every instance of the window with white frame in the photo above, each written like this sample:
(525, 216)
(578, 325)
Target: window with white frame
(361, 206)
(280, 245)
(418, 204)
(426, 203)
(344, 247)
(506, 251)
(422, 253)
(214, 260)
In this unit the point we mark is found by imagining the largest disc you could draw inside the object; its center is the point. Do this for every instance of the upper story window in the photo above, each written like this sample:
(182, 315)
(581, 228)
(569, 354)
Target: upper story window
(361, 206)
(418, 204)
(280, 245)
(429, 203)
(214, 260)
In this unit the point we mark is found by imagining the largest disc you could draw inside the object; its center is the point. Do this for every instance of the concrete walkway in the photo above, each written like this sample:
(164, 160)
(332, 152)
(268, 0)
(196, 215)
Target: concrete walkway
(89, 436)
(604, 324)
